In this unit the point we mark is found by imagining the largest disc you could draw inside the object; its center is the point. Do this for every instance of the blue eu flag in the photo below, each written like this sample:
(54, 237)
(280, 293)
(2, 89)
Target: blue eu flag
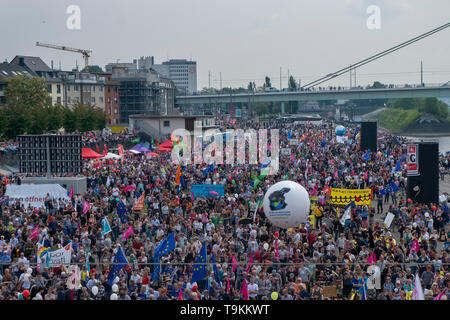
(392, 187)
(167, 245)
(119, 262)
(200, 266)
(398, 166)
(216, 271)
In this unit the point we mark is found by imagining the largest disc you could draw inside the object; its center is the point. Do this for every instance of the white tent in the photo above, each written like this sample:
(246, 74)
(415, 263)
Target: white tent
(5, 173)
(110, 155)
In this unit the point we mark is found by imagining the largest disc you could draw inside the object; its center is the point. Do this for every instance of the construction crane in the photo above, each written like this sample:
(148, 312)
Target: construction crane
(86, 53)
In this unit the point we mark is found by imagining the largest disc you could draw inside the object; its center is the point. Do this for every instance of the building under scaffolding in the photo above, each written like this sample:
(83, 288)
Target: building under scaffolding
(143, 92)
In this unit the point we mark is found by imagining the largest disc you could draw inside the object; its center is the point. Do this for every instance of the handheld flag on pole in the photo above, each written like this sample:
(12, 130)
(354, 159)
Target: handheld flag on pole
(200, 266)
(119, 262)
(392, 187)
(106, 228)
(128, 233)
(166, 246)
(216, 271)
(86, 206)
(244, 290)
(34, 233)
(347, 213)
(417, 291)
(234, 263)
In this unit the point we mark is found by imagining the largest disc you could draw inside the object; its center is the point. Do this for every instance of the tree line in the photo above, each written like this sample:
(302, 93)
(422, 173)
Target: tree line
(29, 110)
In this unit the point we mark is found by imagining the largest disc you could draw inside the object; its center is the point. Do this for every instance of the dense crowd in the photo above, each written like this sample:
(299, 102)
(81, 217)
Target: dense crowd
(321, 259)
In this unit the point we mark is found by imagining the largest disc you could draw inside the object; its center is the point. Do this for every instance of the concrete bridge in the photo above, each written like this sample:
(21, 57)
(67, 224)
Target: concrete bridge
(317, 95)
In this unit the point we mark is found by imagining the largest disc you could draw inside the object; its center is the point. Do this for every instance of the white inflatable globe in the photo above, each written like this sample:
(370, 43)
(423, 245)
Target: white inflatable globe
(286, 204)
(340, 130)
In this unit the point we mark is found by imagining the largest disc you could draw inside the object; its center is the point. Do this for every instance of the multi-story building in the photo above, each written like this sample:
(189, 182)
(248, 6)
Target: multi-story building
(129, 65)
(143, 92)
(183, 73)
(112, 106)
(37, 67)
(85, 88)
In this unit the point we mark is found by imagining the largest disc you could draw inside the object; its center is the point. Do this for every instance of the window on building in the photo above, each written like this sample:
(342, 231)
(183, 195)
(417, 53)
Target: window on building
(77, 99)
(68, 99)
(92, 99)
(49, 88)
(100, 99)
(68, 87)
(58, 100)
(58, 88)
(115, 110)
(166, 123)
(75, 87)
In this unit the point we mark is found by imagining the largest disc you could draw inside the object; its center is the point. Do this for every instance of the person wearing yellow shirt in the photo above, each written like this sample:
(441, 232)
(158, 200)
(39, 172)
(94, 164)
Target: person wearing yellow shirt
(318, 212)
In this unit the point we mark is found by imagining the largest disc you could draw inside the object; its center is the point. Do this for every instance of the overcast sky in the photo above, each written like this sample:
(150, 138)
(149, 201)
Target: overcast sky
(244, 39)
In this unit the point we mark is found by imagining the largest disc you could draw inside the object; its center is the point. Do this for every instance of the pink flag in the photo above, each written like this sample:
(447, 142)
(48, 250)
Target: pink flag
(372, 258)
(192, 196)
(277, 255)
(336, 174)
(86, 206)
(71, 192)
(234, 263)
(228, 285)
(315, 189)
(180, 296)
(366, 174)
(127, 233)
(250, 262)
(439, 296)
(292, 157)
(244, 290)
(415, 247)
(35, 233)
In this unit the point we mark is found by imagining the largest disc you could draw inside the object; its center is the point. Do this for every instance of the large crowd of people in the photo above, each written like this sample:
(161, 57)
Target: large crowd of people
(321, 259)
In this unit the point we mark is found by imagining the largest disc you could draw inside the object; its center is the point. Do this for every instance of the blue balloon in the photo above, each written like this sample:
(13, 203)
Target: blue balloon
(340, 130)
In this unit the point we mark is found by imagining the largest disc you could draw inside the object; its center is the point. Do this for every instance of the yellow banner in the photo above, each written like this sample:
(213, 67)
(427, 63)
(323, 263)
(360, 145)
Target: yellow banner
(361, 197)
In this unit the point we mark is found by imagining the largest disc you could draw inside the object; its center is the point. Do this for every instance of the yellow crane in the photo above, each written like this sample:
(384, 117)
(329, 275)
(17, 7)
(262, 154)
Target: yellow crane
(86, 53)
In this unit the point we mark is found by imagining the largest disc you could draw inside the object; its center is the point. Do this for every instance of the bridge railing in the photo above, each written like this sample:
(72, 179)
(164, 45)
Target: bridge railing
(336, 88)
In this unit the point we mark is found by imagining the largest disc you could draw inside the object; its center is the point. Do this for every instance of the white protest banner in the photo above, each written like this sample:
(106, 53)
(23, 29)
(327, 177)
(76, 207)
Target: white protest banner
(34, 194)
(293, 142)
(55, 258)
(286, 151)
(388, 220)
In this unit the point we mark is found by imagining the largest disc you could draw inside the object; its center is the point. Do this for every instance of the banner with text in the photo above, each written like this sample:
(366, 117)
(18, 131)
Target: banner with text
(345, 196)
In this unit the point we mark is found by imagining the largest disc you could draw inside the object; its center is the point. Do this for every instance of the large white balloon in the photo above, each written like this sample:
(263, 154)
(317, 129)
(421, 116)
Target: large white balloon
(113, 296)
(286, 204)
(94, 290)
(115, 288)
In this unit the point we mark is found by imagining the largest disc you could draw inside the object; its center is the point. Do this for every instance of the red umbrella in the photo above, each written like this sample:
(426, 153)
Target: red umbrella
(152, 154)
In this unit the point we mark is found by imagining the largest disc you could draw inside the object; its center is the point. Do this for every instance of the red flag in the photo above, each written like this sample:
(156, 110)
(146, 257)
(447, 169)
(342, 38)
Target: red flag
(71, 192)
(228, 285)
(180, 295)
(244, 290)
(105, 149)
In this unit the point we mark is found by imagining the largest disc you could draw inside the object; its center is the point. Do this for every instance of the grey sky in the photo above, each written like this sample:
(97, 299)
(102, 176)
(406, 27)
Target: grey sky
(243, 39)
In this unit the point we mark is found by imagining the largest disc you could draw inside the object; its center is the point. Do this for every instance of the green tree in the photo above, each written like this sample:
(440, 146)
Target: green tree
(56, 117)
(27, 99)
(70, 120)
(94, 69)
(267, 83)
(292, 85)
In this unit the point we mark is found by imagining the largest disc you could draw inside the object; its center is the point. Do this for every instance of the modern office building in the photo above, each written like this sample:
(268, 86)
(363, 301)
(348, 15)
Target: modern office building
(183, 73)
